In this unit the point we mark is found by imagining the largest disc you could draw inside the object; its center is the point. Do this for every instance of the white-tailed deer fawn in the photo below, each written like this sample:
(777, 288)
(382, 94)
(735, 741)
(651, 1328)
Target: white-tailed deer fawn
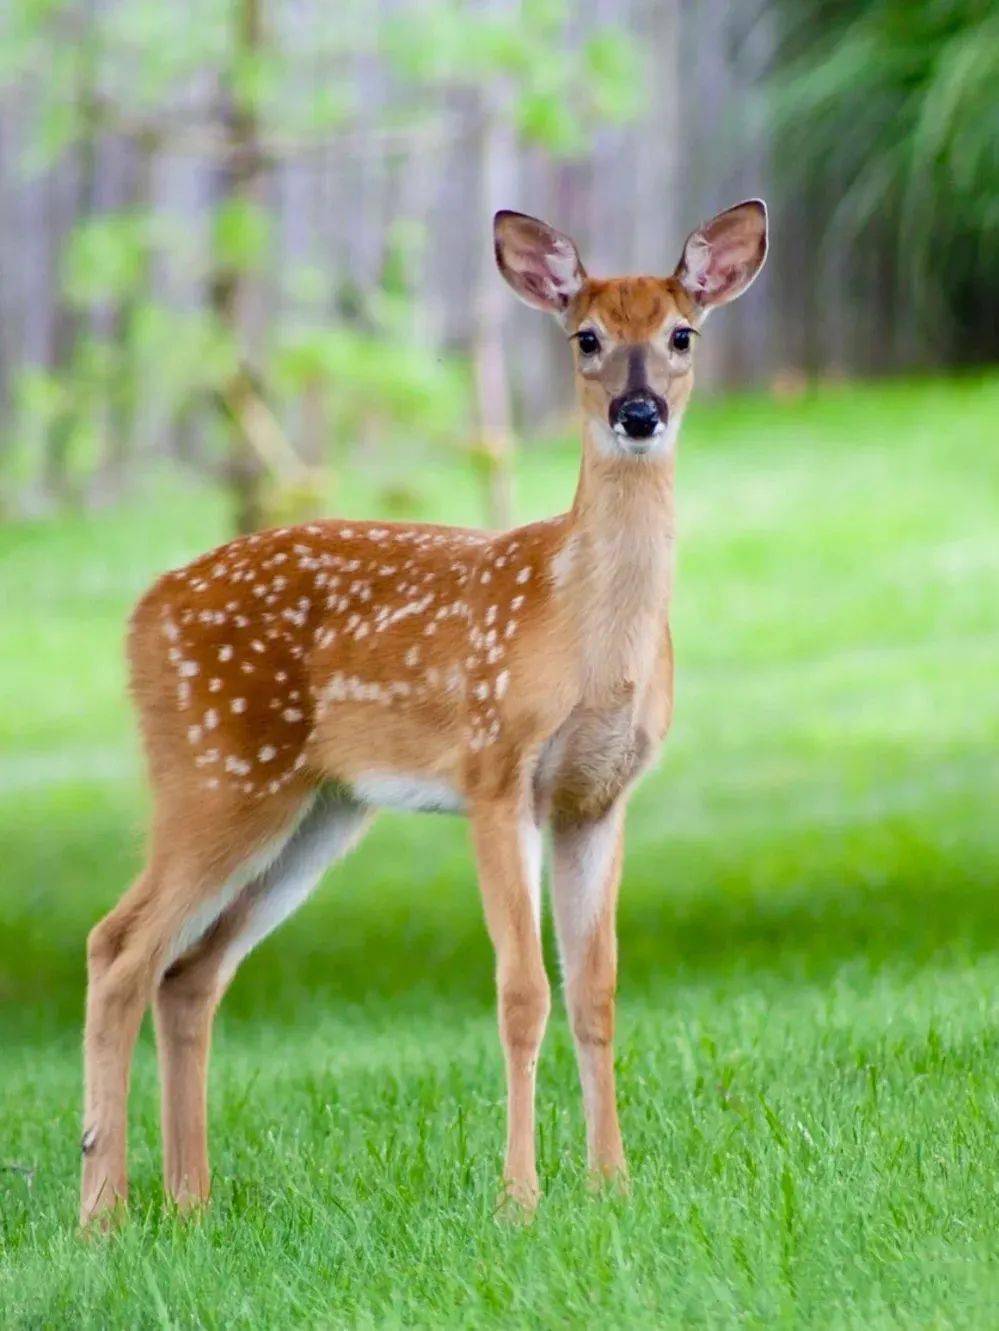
(291, 682)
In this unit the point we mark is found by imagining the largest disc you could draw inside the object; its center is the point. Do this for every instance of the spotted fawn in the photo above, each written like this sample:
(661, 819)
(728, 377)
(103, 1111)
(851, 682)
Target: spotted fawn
(292, 682)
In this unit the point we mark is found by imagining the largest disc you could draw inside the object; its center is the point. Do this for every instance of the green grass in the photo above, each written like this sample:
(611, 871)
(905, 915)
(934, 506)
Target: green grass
(809, 1008)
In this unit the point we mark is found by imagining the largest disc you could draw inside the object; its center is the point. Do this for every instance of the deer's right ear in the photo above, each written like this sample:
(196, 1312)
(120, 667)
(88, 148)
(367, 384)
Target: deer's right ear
(541, 264)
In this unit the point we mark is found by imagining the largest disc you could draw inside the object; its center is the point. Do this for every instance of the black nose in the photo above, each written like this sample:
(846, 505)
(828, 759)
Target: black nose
(637, 417)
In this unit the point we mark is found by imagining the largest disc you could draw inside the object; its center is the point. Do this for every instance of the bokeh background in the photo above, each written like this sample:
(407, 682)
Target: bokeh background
(246, 277)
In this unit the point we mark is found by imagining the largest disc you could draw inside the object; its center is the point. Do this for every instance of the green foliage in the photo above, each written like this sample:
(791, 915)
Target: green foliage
(523, 58)
(134, 69)
(615, 75)
(890, 108)
(255, 78)
(106, 258)
(377, 381)
(120, 66)
(807, 1029)
(240, 233)
(180, 357)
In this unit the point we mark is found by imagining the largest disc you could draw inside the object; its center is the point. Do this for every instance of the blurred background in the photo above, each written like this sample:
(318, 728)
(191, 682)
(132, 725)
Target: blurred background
(246, 277)
(246, 242)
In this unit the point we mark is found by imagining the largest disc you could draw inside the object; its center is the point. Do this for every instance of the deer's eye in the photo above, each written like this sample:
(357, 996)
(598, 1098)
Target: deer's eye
(589, 343)
(680, 339)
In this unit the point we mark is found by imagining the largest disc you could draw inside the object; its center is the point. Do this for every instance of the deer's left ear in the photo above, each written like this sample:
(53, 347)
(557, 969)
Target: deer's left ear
(541, 264)
(722, 257)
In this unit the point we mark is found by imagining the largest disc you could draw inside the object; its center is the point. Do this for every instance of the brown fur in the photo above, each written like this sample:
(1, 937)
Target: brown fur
(290, 678)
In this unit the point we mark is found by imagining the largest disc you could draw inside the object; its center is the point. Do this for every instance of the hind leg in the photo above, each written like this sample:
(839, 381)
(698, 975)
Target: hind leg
(189, 993)
(188, 882)
(183, 1009)
(122, 955)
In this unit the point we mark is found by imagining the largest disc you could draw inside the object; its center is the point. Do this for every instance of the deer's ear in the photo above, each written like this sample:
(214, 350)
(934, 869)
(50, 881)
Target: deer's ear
(541, 264)
(722, 257)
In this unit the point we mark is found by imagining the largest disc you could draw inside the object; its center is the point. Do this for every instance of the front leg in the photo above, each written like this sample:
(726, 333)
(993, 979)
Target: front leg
(508, 849)
(586, 870)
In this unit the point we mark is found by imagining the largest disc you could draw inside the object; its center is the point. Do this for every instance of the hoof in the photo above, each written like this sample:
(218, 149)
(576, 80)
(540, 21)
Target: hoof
(518, 1201)
(103, 1216)
(188, 1205)
(609, 1177)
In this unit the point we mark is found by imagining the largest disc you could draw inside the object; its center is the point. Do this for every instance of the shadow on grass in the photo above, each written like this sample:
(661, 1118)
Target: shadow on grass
(402, 921)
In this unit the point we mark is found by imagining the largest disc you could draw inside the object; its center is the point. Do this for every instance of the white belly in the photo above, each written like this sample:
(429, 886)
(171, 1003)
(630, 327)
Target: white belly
(400, 790)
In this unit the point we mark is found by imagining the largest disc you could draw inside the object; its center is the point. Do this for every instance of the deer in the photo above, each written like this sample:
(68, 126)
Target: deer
(293, 682)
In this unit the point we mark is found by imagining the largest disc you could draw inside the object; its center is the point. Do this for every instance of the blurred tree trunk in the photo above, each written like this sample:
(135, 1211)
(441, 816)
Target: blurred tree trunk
(66, 332)
(315, 422)
(658, 207)
(68, 323)
(129, 414)
(231, 284)
(497, 189)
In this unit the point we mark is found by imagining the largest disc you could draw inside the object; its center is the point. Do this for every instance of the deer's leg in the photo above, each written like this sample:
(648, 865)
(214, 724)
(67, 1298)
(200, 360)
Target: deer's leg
(189, 881)
(586, 870)
(123, 952)
(508, 850)
(184, 1008)
(190, 991)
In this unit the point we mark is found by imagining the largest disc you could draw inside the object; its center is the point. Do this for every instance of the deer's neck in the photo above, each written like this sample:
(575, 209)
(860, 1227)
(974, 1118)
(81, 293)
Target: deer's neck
(618, 562)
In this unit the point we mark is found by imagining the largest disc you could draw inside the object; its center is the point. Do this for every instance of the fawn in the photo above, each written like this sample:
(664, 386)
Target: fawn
(294, 681)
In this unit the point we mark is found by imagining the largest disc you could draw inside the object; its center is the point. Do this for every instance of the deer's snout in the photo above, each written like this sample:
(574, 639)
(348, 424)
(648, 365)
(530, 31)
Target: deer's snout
(638, 414)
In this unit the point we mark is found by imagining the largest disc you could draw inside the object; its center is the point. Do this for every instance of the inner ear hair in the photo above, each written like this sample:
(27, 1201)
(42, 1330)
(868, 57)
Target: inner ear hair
(722, 257)
(540, 264)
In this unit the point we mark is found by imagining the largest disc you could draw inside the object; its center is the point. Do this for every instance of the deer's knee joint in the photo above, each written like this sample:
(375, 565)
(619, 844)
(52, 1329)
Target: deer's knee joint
(185, 1003)
(187, 985)
(524, 1013)
(118, 984)
(591, 1014)
(104, 944)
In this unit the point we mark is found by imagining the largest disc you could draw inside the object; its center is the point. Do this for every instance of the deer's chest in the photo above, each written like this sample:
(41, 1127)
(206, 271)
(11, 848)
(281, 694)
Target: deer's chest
(591, 759)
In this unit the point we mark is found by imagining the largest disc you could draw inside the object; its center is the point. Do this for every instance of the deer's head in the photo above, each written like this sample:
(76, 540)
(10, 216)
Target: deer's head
(633, 337)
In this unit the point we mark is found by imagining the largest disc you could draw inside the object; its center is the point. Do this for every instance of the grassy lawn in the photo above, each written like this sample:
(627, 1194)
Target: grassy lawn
(809, 1012)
